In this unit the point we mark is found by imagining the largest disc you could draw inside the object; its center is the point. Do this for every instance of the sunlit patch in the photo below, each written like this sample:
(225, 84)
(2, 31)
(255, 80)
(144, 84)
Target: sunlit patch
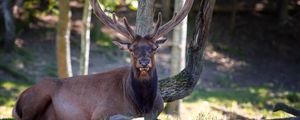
(19, 42)
(225, 63)
(134, 4)
(259, 7)
(9, 91)
(75, 4)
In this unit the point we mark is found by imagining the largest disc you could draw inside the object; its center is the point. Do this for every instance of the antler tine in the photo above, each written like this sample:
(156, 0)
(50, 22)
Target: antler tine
(130, 31)
(114, 18)
(176, 19)
(174, 15)
(109, 22)
(158, 23)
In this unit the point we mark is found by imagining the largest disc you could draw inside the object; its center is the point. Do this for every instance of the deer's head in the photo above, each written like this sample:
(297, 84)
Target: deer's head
(142, 48)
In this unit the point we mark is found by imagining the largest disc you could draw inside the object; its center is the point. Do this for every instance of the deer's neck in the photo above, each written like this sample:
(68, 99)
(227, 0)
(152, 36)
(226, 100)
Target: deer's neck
(142, 92)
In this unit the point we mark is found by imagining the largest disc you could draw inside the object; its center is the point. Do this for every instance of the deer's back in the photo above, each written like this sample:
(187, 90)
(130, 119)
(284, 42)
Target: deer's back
(85, 95)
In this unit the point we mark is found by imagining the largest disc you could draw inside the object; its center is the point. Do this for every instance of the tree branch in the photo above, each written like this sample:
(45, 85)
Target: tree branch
(182, 84)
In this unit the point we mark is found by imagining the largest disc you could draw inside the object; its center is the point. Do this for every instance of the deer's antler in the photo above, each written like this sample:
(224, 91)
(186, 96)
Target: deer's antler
(129, 33)
(176, 19)
(113, 23)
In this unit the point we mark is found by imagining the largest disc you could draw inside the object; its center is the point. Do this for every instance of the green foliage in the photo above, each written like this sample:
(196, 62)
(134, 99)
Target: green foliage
(14, 73)
(254, 100)
(51, 70)
(24, 54)
(15, 63)
(102, 39)
(110, 5)
(35, 8)
(9, 90)
(132, 4)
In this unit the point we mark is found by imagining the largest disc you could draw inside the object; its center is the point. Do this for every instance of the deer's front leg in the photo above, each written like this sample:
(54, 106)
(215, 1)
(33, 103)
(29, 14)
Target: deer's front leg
(157, 108)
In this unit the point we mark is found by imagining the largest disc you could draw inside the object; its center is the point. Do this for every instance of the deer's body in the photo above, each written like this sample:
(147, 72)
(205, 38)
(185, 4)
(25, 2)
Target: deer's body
(91, 97)
(129, 91)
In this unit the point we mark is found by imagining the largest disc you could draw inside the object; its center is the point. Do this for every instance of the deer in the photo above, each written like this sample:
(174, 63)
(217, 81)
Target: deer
(129, 91)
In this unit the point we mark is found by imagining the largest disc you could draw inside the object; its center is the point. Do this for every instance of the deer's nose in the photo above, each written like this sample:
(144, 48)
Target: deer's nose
(144, 62)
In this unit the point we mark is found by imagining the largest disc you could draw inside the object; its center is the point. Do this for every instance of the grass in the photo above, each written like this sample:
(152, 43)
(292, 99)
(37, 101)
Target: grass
(253, 102)
(250, 102)
(9, 90)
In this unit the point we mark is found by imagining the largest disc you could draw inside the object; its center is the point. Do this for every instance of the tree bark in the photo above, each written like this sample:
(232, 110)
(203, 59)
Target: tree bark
(85, 38)
(167, 12)
(182, 84)
(63, 40)
(144, 17)
(178, 56)
(10, 29)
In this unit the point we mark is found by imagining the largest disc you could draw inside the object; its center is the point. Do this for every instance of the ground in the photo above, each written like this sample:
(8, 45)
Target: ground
(246, 70)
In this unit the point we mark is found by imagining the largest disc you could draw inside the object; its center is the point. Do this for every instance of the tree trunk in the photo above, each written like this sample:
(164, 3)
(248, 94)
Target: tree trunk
(182, 84)
(167, 12)
(85, 38)
(144, 17)
(178, 56)
(283, 12)
(63, 40)
(10, 29)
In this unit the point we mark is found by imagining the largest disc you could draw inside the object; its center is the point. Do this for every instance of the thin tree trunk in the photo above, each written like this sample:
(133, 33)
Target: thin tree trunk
(282, 6)
(10, 29)
(63, 40)
(144, 17)
(178, 56)
(85, 38)
(182, 84)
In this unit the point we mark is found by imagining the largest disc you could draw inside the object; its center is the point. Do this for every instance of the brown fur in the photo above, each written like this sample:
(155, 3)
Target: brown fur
(95, 97)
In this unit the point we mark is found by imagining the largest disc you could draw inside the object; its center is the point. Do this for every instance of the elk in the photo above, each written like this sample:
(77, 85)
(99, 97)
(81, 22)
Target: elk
(130, 91)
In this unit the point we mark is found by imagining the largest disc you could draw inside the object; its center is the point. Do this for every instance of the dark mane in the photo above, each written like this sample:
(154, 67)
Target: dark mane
(144, 92)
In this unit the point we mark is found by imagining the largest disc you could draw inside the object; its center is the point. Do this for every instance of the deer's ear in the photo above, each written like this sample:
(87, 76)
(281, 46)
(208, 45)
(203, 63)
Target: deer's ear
(121, 45)
(160, 41)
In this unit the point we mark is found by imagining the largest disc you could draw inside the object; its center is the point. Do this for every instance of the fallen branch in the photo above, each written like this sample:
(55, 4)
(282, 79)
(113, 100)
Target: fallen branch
(286, 108)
